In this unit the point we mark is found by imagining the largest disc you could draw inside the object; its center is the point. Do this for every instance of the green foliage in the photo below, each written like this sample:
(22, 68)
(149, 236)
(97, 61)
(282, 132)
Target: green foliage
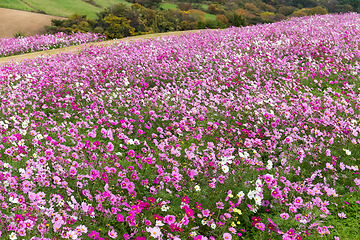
(317, 10)
(147, 3)
(236, 20)
(215, 9)
(19, 34)
(122, 21)
(117, 27)
(212, 24)
(257, 20)
(353, 3)
(266, 7)
(286, 10)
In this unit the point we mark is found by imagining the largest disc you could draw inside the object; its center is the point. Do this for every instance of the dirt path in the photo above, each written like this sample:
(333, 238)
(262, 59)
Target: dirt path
(11, 21)
(78, 48)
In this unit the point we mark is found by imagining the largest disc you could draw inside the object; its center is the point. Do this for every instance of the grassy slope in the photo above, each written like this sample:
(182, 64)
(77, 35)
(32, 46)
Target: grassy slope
(15, 4)
(167, 6)
(65, 8)
(211, 16)
(173, 6)
(107, 3)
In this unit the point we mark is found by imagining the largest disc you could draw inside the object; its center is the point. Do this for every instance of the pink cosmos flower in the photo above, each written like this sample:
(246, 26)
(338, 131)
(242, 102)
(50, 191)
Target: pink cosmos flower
(260, 226)
(112, 234)
(74, 155)
(110, 147)
(284, 216)
(154, 232)
(342, 215)
(227, 236)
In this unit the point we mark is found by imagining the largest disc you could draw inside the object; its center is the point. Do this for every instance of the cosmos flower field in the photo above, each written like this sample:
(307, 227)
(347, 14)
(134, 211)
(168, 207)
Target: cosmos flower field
(21, 45)
(242, 133)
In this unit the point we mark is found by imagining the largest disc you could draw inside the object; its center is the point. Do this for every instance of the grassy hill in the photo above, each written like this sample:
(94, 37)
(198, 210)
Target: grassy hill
(64, 8)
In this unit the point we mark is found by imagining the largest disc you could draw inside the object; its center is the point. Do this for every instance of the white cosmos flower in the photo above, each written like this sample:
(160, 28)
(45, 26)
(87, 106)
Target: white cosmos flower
(164, 208)
(24, 124)
(251, 194)
(159, 223)
(269, 165)
(13, 200)
(13, 236)
(213, 226)
(257, 200)
(240, 194)
(348, 152)
(225, 168)
(197, 188)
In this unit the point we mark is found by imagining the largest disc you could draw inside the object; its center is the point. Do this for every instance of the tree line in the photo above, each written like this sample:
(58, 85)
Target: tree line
(121, 21)
(148, 16)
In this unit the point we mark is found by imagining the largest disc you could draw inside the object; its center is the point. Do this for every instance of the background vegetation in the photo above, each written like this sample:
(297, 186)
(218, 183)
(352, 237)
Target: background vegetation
(122, 18)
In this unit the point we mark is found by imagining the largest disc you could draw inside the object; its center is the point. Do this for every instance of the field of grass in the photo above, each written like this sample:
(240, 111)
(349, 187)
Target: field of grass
(62, 8)
(15, 4)
(167, 6)
(210, 16)
(65, 8)
(107, 3)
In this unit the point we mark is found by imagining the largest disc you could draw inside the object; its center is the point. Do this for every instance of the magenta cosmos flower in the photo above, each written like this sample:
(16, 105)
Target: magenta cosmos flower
(131, 153)
(169, 219)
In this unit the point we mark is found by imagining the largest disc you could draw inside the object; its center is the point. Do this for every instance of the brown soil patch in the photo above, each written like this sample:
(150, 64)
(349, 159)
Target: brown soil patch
(78, 48)
(11, 21)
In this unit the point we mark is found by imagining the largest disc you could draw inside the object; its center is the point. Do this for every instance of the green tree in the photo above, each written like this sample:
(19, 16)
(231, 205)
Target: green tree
(286, 10)
(236, 20)
(117, 27)
(266, 7)
(147, 3)
(353, 3)
(317, 10)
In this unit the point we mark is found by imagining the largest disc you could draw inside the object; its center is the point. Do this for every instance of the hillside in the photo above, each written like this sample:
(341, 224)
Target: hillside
(12, 21)
(64, 8)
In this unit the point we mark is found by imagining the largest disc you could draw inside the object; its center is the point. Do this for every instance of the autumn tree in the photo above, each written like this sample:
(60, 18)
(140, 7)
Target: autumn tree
(222, 18)
(252, 8)
(215, 9)
(266, 7)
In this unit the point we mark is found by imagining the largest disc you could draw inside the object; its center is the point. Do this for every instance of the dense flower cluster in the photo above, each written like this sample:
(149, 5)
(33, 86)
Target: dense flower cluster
(241, 132)
(21, 45)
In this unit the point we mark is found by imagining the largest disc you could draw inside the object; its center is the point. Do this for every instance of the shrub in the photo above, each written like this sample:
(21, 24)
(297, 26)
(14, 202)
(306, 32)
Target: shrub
(266, 7)
(252, 8)
(236, 20)
(222, 18)
(286, 10)
(215, 9)
(268, 15)
(317, 10)
(19, 34)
